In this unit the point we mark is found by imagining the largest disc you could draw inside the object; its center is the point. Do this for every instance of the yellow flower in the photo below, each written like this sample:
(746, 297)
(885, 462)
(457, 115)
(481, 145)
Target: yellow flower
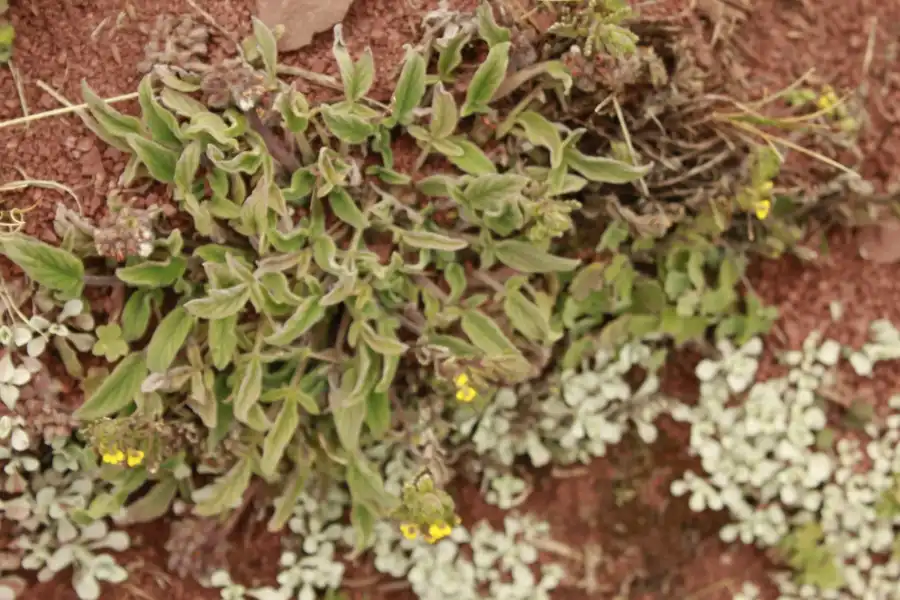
(437, 531)
(135, 457)
(464, 392)
(409, 530)
(827, 100)
(113, 457)
(762, 209)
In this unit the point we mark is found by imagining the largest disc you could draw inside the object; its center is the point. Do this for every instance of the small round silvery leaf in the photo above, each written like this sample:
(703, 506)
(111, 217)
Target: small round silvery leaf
(36, 346)
(19, 441)
(21, 334)
(70, 309)
(86, 587)
(9, 395)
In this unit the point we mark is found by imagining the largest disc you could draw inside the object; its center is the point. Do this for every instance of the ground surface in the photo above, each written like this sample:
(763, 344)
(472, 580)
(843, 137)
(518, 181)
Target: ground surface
(628, 538)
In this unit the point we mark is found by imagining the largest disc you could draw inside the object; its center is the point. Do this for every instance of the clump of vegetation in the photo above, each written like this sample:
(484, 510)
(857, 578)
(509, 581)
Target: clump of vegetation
(7, 33)
(362, 286)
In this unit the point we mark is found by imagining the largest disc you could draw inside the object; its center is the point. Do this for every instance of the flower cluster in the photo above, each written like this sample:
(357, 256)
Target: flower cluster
(464, 391)
(115, 456)
(426, 510)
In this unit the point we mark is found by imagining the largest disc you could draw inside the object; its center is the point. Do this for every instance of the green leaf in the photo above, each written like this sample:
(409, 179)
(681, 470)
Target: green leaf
(444, 114)
(279, 436)
(223, 340)
(206, 126)
(159, 160)
(110, 120)
(249, 389)
(526, 317)
(168, 339)
(488, 30)
(528, 258)
(187, 165)
(268, 49)
(181, 104)
(473, 160)
(162, 124)
(347, 126)
(378, 414)
(285, 503)
(486, 334)
(51, 267)
(136, 314)
(587, 280)
(345, 208)
(492, 191)
(219, 304)
(226, 492)
(117, 391)
(451, 55)
(382, 344)
(153, 274)
(310, 312)
(432, 241)
(648, 297)
(363, 521)
(541, 132)
(487, 79)
(356, 77)
(349, 409)
(604, 170)
(410, 88)
(154, 504)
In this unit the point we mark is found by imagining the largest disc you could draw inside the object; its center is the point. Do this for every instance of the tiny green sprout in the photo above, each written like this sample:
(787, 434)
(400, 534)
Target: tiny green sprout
(109, 343)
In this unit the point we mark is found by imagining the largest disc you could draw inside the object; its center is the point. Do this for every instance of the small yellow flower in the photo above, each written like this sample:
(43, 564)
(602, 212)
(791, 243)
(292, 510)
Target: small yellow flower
(464, 392)
(113, 457)
(762, 209)
(135, 457)
(438, 531)
(409, 530)
(827, 100)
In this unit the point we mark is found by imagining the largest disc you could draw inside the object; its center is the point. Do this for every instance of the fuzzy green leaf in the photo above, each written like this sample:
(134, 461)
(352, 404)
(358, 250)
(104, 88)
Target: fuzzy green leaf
(357, 77)
(162, 124)
(486, 80)
(153, 274)
(382, 344)
(154, 504)
(432, 241)
(159, 160)
(410, 88)
(488, 30)
(285, 503)
(473, 160)
(541, 132)
(526, 317)
(249, 389)
(268, 47)
(378, 414)
(348, 408)
(492, 191)
(451, 55)
(211, 127)
(223, 340)
(117, 391)
(444, 114)
(310, 312)
(219, 304)
(528, 258)
(486, 334)
(226, 492)
(168, 339)
(110, 120)
(345, 208)
(49, 266)
(136, 314)
(604, 170)
(347, 126)
(279, 436)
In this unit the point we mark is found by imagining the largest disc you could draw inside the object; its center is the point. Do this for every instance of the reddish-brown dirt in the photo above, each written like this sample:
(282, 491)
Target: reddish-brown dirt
(649, 545)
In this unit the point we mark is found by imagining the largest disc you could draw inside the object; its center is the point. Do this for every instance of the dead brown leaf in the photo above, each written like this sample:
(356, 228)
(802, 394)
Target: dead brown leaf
(302, 19)
(881, 243)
